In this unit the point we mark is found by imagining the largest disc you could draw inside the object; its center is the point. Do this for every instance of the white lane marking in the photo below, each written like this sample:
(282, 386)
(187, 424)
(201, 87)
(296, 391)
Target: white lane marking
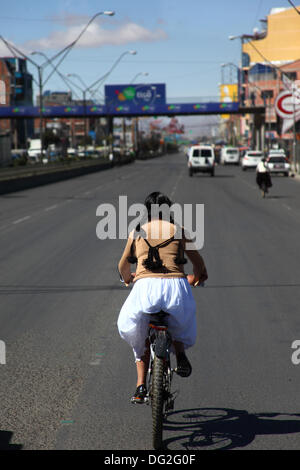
(288, 207)
(51, 208)
(115, 181)
(47, 209)
(98, 359)
(22, 220)
(176, 185)
(127, 177)
(95, 363)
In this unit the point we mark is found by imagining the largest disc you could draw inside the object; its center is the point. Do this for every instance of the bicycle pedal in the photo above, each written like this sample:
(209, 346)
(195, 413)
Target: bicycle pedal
(170, 406)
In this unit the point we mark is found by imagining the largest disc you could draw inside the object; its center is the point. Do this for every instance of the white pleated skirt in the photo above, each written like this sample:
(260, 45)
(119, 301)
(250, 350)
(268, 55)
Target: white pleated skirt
(150, 295)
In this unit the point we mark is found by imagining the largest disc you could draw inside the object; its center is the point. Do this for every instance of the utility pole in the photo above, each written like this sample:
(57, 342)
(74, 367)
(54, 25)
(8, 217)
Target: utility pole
(294, 128)
(41, 110)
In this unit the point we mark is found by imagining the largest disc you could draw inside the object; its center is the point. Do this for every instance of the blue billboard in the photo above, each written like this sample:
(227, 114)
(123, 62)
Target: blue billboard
(135, 97)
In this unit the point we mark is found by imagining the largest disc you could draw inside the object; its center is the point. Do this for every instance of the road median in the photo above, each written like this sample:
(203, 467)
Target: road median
(18, 179)
(30, 176)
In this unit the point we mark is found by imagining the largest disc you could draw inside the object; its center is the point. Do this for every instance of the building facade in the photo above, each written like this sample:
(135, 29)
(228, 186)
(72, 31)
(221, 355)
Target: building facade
(271, 55)
(75, 130)
(16, 90)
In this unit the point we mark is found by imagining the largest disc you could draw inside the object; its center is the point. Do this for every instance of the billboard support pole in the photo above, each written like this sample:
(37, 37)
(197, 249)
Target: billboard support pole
(110, 133)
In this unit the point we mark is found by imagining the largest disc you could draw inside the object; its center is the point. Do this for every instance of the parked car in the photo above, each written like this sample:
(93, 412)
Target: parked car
(201, 158)
(230, 155)
(251, 159)
(278, 164)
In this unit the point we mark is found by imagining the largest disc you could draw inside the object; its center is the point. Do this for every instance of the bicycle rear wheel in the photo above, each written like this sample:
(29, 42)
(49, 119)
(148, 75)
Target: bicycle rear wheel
(157, 402)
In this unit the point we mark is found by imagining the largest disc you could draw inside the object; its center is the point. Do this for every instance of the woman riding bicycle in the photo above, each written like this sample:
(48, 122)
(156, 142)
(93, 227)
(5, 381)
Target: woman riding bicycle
(160, 283)
(263, 178)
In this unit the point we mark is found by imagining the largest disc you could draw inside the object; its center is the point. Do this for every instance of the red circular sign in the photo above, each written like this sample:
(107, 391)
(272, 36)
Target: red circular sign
(283, 104)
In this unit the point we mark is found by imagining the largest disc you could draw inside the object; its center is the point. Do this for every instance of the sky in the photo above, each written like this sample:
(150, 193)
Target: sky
(179, 43)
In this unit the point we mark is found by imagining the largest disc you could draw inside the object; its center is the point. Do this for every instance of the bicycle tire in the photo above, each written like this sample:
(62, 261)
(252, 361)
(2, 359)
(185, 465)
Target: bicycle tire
(157, 402)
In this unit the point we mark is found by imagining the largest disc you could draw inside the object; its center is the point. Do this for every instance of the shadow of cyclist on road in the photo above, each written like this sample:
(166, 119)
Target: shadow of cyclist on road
(5, 439)
(221, 428)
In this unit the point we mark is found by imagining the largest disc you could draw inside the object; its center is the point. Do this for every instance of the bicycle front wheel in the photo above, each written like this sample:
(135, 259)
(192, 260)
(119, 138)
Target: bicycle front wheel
(157, 402)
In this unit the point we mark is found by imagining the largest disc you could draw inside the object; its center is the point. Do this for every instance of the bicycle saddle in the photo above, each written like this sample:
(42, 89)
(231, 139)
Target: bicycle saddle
(159, 318)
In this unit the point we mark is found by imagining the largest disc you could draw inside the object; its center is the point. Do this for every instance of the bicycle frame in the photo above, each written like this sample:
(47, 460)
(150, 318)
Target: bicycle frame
(160, 341)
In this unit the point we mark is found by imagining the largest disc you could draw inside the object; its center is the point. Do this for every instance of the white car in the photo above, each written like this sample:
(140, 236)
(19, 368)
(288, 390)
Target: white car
(276, 152)
(230, 155)
(251, 159)
(278, 164)
(201, 158)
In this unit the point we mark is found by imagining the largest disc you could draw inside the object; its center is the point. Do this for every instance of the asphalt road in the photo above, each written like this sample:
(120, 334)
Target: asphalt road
(68, 376)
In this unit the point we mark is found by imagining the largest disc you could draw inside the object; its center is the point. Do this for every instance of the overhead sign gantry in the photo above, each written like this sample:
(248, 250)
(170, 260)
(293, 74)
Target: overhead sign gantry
(128, 100)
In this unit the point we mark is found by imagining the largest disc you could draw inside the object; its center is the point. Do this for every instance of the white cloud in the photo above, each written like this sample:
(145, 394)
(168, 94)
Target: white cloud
(97, 36)
(6, 52)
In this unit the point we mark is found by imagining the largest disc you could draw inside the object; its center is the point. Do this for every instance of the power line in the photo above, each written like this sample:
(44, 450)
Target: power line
(162, 61)
(258, 12)
(265, 59)
(295, 8)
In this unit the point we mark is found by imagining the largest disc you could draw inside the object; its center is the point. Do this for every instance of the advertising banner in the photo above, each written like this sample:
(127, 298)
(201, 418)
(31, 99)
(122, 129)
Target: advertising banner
(104, 111)
(135, 97)
(229, 94)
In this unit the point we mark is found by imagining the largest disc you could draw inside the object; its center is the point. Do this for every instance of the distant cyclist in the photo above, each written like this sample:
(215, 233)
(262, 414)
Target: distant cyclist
(263, 177)
(160, 283)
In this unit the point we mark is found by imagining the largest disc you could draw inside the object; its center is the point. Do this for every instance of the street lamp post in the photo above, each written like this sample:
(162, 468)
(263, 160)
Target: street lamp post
(102, 79)
(98, 82)
(64, 52)
(84, 91)
(41, 103)
(134, 128)
(144, 74)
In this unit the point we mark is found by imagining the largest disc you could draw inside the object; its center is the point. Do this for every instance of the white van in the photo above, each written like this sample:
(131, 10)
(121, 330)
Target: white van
(230, 155)
(201, 158)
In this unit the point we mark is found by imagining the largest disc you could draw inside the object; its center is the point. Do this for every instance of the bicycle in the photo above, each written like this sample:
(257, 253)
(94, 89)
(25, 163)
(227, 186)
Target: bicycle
(263, 181)
(160, 373)
(159, 376)
(264, 188)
